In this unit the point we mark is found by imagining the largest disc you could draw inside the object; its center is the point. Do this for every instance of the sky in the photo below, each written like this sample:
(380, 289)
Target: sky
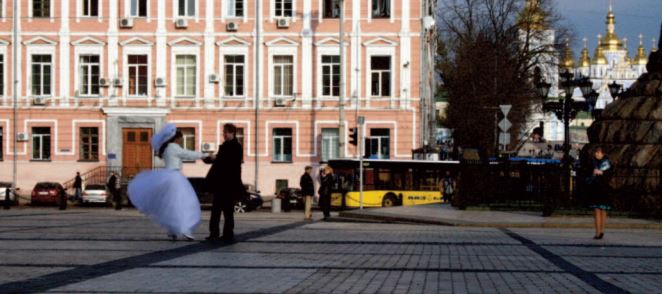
(587, 17)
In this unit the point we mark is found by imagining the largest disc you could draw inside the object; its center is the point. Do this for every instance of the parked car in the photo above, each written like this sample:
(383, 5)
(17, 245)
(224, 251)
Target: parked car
(95, 193)
(47, 193)
(291, 198)
(252, 201)
(4, 187)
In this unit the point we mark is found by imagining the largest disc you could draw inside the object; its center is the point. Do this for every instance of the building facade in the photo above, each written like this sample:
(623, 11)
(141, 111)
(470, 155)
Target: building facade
(96, 78)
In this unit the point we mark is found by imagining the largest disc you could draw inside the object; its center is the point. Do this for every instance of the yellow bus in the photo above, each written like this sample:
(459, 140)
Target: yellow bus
(389, 182)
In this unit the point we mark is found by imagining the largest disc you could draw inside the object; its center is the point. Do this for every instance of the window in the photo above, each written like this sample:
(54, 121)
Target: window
(331, 9)
(41, 8)
(283, 145)
(41, 143)
(283, 8)
(185, 71)
(41, 75)
(378, 144)
(139, 8)
(380, 8)
(330, 144)
(235, 8)
(90, 8)
(89, 144)
(331, 75)
(187, 8)
(380, 76)
(2, 149)
(138, 75)
(239, 135)
(188, 138)
(283, 76)
(2, 75)
(234, 75)
(89, 75)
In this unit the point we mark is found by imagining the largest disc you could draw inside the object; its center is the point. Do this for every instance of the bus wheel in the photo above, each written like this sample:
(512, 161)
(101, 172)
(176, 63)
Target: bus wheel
(389, 200)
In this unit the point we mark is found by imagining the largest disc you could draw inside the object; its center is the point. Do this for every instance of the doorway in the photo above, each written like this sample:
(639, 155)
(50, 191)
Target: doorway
(136, 151)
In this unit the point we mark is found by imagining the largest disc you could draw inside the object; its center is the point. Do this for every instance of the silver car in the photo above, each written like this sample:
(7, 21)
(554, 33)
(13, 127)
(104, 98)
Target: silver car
(94, 193)
(4, 186)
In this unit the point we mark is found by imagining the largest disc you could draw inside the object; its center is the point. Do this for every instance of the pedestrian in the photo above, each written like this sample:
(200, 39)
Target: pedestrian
(113, 185)
(307, 188)
(448, 186)
(599, 171)
(78, 186)
(165, 195)
(325, 191)
(224, 181)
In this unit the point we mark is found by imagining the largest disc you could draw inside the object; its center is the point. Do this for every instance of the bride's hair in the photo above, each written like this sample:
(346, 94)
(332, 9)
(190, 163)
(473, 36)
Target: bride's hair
(178, 134)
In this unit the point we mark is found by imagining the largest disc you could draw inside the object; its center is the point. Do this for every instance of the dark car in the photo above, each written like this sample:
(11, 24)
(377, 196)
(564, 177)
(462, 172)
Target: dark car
(291, 198)
(47, 193)
(251, 201)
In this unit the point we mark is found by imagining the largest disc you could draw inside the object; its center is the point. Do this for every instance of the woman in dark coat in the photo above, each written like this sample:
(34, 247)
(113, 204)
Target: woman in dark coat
(599, 172)
(325, 191)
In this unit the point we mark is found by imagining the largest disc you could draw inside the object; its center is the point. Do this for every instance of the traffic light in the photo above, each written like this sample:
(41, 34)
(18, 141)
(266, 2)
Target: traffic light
(353, 136)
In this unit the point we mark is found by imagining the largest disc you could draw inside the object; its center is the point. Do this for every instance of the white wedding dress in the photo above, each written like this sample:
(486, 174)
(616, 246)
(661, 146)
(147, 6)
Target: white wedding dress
(166, 196)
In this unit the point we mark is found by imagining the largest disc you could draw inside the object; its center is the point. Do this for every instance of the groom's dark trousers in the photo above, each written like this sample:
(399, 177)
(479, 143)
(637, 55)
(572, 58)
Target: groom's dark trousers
(224, 181)
(219, 206)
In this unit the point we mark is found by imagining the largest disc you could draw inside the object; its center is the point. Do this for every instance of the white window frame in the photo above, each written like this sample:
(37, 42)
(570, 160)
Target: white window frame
(380, 144)
(79, 68)
(196, 75)
(381, 73)
(223, 76)
(233, 50)
(321, 11)
(128, 10)
(273, 12)
(281, 139)
(282, 66)
(30, 6)
(226, 5)
(4, 66)
(37, 49)
(3, 12)
(333, 140)
(176, 10)
(380, 51)
(136, 50)
(282, 50)
(79, 10)
(42, 85)
(370, 14)
(88, 50)
(40, 137)
(325, 49)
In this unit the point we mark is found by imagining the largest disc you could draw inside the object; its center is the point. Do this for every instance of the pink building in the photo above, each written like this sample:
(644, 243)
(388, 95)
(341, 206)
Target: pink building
(98, 77)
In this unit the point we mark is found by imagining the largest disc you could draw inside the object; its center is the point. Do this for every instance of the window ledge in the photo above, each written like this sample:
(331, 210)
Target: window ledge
(40, 160)
(88, 160)
(282, 162)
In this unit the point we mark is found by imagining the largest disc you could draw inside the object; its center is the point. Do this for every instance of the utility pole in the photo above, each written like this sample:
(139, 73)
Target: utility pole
(342, 81)
(15, 92)
(257, 94)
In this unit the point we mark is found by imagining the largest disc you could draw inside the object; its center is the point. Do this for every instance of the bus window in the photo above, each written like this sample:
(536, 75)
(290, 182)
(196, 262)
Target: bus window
(384, 179)
(429, 180)
(369, 179)
(408, 180)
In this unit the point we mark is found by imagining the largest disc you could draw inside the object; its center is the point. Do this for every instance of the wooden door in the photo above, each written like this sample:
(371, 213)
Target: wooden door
(136, 151)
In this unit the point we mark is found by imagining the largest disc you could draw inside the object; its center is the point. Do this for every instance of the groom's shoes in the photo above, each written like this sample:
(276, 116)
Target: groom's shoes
(212, 238)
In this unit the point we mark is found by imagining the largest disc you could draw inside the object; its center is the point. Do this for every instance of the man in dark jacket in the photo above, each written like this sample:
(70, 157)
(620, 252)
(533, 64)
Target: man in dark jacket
(114, 189)
(307, 189)
(78, 186)
(224, 181)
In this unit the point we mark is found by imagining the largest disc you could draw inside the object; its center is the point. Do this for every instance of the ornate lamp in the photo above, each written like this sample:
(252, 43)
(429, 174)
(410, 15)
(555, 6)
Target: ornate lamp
(586, 86)
(543, 89)
(614, 88)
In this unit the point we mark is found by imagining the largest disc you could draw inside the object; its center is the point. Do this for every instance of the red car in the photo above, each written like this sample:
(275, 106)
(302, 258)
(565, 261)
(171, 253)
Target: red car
(47, 193)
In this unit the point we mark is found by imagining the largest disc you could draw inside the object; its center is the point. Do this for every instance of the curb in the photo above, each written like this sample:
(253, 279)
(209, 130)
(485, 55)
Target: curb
(388, 218)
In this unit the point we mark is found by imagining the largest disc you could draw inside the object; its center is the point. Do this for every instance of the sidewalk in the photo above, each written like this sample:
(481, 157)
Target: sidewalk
(444, 214)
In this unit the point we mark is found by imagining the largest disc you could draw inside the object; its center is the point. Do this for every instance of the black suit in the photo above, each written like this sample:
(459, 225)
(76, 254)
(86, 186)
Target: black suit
(224, 181)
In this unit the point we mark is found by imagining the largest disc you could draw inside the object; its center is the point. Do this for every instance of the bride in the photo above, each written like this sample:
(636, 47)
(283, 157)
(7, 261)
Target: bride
(165, 195)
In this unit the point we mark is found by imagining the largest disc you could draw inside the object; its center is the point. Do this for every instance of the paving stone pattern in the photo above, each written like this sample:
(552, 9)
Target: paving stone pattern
(97, 250)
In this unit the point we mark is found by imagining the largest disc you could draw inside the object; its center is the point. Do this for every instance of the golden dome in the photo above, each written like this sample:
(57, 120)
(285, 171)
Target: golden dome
(599, 58)
(611, 42)
(568, 58)
(532, 17)
(640, 58)
(584, 60)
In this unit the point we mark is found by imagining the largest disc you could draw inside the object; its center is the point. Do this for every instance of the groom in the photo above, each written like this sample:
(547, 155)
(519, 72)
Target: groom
(224, 181)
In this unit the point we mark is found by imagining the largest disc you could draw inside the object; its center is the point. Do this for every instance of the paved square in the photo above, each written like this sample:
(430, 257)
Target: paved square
(101, 250)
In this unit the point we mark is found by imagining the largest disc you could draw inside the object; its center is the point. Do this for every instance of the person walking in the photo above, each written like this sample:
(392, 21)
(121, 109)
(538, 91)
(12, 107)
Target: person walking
(307, 188)
(113, 186)
(166, 195)
(448, 187)
(224, 181)
(325, 191)
(599, 171)
(78, 186)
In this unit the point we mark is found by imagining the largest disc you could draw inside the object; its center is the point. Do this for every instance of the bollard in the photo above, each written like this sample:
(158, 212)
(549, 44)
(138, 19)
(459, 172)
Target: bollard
(7, 206)
(63, 200)
(276, 205)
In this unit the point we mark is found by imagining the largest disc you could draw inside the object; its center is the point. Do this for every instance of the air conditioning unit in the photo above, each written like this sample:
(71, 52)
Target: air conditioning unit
(213, 78)
(279, 102)
(104, 82)
(117, 82)
(38, 100)
(283, 23)
(160, 82)
(207, 147)
(231, 26)
(127, 23)
(181, 23)
(22, 137)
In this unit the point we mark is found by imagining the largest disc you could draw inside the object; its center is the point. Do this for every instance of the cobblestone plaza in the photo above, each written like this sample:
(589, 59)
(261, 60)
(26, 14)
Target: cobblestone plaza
(98, 250)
